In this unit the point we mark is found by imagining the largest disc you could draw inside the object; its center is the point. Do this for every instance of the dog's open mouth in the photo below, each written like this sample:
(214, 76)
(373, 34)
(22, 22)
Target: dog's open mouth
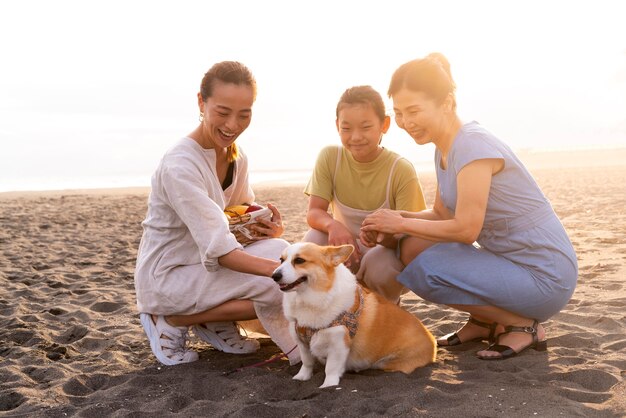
(288, 287)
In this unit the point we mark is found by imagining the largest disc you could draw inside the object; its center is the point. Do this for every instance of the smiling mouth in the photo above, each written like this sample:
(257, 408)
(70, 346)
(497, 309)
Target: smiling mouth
(288, 287)
(227, 135)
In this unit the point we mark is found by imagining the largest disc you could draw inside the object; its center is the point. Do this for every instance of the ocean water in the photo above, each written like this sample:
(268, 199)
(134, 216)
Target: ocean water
(102, 181)
(98, 177)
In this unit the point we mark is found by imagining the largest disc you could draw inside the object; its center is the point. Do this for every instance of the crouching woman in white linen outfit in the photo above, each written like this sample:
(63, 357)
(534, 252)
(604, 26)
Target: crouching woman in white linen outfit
(191, 271)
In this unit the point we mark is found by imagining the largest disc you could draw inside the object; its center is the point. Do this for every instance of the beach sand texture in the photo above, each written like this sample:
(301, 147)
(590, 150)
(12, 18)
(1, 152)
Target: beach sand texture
(71, 343)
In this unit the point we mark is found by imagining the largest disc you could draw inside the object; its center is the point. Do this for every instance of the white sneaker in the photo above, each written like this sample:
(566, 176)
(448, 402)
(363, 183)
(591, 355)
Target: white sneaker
(168, 343)
(225, 336)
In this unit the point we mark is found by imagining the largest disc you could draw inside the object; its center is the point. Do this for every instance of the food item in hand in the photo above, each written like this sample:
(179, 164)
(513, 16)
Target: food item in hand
(242, 217)
(253, 208)
(236, 210)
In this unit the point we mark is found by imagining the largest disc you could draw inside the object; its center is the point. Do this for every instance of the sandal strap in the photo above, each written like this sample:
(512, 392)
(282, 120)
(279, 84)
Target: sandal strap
(491, 327)
(173, 340)
(480, 323)
(226, 336)
(532, 330)
(504, 350)
(232, 337)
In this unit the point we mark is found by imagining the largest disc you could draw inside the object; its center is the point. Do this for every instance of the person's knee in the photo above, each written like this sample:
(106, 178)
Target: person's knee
(378, 272)
(412, 247)
(380, 264)
(268, 292)
(316, 237)
(420, 275)
(269, 248)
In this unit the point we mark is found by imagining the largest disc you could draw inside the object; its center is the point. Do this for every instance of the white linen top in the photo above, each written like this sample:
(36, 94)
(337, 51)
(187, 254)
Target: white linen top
(185, 223)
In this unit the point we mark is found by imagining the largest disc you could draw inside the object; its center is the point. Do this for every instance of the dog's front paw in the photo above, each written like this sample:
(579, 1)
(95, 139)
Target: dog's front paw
(330, 381)
(305, 373)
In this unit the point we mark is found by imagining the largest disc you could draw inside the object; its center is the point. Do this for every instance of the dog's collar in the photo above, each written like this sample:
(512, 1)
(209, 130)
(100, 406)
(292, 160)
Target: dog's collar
(348, 319)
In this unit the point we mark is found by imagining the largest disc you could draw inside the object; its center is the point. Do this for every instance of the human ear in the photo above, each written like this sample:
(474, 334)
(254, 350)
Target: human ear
(449, 103)
(386, 124)
(200, 103)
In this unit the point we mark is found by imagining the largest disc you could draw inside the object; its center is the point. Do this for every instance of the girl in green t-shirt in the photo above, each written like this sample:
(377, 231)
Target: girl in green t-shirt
(354, 180)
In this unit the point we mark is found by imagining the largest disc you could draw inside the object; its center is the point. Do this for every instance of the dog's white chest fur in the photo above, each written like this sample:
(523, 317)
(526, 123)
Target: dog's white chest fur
(316, 309)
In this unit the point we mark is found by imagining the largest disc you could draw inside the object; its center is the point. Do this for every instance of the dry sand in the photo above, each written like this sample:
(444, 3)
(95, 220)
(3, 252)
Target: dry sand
(71, 343)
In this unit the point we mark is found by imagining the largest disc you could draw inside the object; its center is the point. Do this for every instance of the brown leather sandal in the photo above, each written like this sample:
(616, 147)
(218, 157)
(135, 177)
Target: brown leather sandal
(506, 351)
(453, 339)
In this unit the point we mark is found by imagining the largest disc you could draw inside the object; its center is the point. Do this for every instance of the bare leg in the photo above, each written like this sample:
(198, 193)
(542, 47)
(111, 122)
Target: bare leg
(411, 247)
(233, 310)
(516, 340)
(378, 271)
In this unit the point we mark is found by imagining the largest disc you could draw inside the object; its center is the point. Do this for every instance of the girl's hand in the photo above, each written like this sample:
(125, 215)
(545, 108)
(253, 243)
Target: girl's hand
(368, 238)
(338, 234)
(373, 238)
(269, 228)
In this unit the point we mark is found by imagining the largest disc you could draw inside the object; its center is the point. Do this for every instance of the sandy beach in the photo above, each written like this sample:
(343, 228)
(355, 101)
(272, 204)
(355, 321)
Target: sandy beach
(71, 343)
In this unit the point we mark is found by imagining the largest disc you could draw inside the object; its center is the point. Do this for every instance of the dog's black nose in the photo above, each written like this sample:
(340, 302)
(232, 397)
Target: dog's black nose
(277, 276)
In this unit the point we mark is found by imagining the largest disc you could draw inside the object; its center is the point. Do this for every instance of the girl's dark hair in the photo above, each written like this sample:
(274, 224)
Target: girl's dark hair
(363, 95)
(430, 75)
(227, 72)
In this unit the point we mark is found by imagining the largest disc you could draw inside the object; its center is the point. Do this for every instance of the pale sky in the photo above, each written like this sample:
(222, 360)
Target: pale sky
(92, 92)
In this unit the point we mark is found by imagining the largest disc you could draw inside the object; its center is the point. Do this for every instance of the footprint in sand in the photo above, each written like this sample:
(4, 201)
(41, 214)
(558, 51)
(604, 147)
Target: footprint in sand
(56, 352)
(106, 306)
(20, 336)
(83, 385)
(587, 385)
(43, 374)
(10, 400)
(73, 334)
(76, 387)
(56, 311)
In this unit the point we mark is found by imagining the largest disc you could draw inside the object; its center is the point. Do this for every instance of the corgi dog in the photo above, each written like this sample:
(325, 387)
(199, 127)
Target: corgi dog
(342, 324)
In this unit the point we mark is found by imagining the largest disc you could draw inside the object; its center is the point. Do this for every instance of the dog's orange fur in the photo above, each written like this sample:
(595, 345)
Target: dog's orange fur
(387, 330)
(387, 337)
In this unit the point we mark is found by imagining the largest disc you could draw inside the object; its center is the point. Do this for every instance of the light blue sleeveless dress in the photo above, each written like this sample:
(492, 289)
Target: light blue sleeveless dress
(523, 260)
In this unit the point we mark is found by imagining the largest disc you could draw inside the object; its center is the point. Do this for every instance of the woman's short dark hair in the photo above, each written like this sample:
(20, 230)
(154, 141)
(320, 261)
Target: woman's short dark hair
(228, 72)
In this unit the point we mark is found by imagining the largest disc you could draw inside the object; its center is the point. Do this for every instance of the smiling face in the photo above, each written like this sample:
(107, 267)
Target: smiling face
(226, 113)
(309, 266)
(419, 115)
(361, 130)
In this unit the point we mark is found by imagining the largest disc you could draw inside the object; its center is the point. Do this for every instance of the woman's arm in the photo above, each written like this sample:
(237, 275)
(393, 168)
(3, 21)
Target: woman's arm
(239, 260)
(473, 184)
(370, 237)
(437, 213)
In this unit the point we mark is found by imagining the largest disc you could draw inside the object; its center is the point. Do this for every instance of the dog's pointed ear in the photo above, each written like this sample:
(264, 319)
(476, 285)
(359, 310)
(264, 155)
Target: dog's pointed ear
(338, 255)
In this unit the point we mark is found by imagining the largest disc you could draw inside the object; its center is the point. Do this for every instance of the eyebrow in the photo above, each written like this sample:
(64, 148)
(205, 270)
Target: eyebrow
(222, 107)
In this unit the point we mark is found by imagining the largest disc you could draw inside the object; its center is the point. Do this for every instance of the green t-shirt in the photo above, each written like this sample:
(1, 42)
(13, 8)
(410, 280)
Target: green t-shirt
(364, 185)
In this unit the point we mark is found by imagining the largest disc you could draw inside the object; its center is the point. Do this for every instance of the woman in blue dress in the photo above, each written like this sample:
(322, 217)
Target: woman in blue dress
(492, 245)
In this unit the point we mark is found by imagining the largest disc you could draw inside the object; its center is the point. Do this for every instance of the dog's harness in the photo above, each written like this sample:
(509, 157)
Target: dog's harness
(348, 319)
